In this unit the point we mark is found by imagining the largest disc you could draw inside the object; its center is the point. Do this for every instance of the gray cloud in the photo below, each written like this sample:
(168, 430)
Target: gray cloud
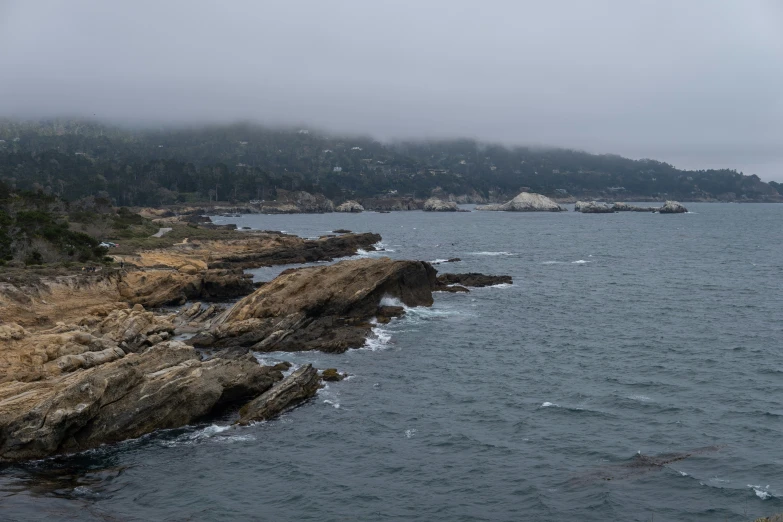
(697, 83)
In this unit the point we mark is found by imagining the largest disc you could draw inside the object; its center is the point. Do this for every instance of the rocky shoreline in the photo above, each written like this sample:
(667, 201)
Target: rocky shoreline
(91, 359)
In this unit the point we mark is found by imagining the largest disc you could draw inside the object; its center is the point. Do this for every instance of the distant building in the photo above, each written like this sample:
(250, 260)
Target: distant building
(356, 148)
(327, 151)
(243, 143)
(303, 131)
(555, 171)
(337, 169)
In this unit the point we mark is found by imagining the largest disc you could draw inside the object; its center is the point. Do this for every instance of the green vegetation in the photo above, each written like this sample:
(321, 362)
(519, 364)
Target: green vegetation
(75, 159)
(42, 229)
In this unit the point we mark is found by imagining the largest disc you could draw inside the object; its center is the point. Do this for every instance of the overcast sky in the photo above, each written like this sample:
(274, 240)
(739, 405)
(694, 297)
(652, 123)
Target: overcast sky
(696, 83)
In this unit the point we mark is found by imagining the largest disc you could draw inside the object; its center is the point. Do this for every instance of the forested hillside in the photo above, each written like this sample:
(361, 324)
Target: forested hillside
(74, 159)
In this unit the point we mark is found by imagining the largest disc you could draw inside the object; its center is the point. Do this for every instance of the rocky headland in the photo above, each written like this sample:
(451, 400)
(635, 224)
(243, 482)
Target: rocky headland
(90, 359)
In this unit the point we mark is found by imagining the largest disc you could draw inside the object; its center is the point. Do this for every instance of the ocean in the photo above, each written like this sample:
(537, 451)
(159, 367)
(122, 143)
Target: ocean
(633, 371)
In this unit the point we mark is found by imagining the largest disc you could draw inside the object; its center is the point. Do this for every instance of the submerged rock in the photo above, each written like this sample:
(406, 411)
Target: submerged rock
(526, 202)
(593, 207)
(294, 389)
(332, 375)
(438, 205)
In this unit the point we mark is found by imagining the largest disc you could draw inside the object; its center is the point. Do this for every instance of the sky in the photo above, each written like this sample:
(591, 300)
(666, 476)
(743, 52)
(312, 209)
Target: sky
(696, 83)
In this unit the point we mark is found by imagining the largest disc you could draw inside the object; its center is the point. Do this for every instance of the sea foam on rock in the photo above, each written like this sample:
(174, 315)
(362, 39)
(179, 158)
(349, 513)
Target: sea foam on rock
(526, 202)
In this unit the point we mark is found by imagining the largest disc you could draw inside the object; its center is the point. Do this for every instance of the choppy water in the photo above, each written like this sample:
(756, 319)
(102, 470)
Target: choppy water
(623, 333)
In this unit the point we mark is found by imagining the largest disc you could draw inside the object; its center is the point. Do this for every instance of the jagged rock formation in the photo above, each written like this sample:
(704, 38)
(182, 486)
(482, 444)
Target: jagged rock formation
(166, 386)
(438, 205)
(592, 207)
(526, 202)
(474, 279)
(292, 390)
(672, 207)
(350, 206)
(325, 308)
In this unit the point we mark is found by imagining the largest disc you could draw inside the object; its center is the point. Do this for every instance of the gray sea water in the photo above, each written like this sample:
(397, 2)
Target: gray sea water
(622, 334)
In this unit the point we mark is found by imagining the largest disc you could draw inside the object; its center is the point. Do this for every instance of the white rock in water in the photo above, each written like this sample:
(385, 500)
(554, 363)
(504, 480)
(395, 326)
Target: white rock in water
(526, 202)
(672, 207)
(592, 207)
(438, 205)
(350, 206)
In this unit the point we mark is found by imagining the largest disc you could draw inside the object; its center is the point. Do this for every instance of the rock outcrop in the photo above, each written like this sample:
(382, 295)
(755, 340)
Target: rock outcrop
(593, 207)
(392, 203)
(526, 202)
(438, 205)
(301, 385)
(294, 202)
(166, 386)
(672, 207)
(325, 308)
(474, 279)
(625, 207)
(349, 206)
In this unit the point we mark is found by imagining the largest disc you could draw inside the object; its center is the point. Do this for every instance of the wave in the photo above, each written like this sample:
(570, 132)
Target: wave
(549, 405)
(379, 339)
(761, 491)
(492, 254)
(579, 262)
(410, 433)
(383, 247)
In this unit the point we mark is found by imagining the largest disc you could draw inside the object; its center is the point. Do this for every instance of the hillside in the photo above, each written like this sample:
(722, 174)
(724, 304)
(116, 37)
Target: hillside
(74, 159)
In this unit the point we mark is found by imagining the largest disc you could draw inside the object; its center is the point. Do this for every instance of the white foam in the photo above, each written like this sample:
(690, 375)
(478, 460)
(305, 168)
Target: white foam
(491, 253)
(549, 405)
(579, 262)
(682, 473)
(438, 261)
(553, 262)
(410, 433)
(378, 340)
(640, 398)
(380, 245)
(332, 403)
(388, 300)
(761, 492)
(209, 431)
